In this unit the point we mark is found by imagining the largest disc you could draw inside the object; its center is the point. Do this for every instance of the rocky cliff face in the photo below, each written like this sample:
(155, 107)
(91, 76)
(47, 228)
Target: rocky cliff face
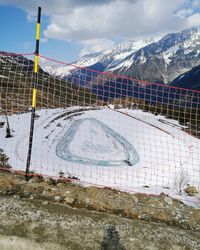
(164, 60)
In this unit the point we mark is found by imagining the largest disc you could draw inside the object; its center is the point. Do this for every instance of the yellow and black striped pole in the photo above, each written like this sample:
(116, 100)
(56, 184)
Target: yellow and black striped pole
(34, 93)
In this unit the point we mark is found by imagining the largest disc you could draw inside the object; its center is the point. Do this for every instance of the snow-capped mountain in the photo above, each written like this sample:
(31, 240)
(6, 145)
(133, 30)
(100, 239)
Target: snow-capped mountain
(159, 60)
(165, 59)
(101, 61)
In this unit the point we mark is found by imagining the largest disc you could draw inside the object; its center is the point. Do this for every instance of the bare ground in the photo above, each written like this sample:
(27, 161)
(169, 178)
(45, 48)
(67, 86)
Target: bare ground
(48, 214)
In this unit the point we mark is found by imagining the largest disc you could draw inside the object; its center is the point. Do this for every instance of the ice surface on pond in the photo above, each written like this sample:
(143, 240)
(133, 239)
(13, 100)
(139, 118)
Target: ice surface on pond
(92, 142)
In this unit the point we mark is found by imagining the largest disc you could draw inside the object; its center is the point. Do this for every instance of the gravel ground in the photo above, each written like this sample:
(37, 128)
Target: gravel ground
(30, 224)
(44, 214)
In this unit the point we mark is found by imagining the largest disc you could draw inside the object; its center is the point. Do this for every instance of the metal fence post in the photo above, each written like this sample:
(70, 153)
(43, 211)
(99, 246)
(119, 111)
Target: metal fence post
(34, 93)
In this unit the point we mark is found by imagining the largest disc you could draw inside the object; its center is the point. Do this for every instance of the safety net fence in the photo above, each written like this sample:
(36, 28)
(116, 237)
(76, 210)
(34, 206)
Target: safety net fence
(99, 128)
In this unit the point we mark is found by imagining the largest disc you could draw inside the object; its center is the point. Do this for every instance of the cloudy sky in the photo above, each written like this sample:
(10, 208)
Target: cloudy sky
(72, 28)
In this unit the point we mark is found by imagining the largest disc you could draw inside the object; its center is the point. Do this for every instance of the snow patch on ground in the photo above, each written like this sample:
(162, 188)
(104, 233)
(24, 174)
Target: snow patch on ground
(164, 149)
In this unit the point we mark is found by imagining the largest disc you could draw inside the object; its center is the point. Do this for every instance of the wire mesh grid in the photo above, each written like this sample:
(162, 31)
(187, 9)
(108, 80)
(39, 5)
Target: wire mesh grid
(99, 128)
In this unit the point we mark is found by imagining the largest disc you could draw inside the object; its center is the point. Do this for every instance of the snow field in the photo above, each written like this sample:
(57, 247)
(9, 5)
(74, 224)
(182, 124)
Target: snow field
(164, 150)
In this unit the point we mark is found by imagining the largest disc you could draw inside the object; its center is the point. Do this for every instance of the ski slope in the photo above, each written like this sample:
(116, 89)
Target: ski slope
(125, 149)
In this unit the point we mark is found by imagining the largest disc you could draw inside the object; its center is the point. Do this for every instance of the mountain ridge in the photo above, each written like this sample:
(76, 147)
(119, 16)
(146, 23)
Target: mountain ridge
(161, 60)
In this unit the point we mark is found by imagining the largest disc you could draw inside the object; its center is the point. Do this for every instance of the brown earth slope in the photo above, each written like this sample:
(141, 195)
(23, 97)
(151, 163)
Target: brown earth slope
(49, 214)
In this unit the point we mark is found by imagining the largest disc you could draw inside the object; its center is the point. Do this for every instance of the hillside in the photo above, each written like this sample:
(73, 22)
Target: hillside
(48, 215)
(190, 79)
(16, 79)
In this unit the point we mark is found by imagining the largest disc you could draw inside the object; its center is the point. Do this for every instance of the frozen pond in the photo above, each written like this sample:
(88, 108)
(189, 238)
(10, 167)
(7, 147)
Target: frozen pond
(89, 141)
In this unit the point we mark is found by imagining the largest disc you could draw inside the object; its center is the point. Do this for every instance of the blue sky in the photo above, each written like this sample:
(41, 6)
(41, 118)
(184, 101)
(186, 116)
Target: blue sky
(72, 28)
(18, 35)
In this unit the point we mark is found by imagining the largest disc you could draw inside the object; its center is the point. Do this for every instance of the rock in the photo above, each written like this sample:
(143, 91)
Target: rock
(45, 203)
(57, 198)
(16, 196)
(39, 178)
(135, 199)
(87, 201)
(2, 124)
(194, 217)
(69, 200)
(60, 184)
(68, 192)
(36, 179)
(191, 190)
(168, 200)
(50, 181)
(32, 180)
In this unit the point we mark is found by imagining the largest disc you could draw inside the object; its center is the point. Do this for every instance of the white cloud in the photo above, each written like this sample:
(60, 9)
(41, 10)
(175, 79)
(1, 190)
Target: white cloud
(43, 40)
(183, 13)
(95, 45)
(194, 20)
(95, 24)
(118, 18)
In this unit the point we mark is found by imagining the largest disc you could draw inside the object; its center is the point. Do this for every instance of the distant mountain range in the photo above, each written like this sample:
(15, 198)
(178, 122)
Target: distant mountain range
(174, 56)
(101, 61)
(160, 60)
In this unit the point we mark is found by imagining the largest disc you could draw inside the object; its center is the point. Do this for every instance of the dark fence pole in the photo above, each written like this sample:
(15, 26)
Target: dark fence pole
(8, 131)
(34, 93)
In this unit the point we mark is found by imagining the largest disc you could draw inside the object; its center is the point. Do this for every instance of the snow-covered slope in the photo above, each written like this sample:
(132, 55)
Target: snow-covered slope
(140, 152)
